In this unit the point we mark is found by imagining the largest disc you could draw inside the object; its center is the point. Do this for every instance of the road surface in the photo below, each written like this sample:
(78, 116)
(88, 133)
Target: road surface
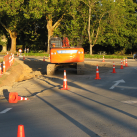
(96, 108)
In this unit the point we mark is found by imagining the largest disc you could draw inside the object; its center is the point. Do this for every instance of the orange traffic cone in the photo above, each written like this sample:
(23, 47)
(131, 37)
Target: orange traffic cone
(121, 65)
(24, 57)
(13, 58)
(4, 69)
(103, 59)
(49, 57)
(13, 97)
(20, 132)
(10, 60)
(44, 58)
(124, 61)
(0, 70)
(114, 68)
(126, 65)
(97, 73)
(65, 87)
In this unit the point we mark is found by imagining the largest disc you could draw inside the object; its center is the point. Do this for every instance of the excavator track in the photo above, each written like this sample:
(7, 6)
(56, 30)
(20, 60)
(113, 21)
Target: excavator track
(51, 69)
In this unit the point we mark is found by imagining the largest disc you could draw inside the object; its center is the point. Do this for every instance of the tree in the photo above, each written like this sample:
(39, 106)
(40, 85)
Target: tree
(93, 13)
(54, 11)
(11, 18)
(33, 34)
(131, 26)
(118, 29)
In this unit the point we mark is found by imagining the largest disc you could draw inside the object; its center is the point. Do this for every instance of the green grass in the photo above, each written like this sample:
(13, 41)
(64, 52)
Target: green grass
(96, 56)
(36, 54)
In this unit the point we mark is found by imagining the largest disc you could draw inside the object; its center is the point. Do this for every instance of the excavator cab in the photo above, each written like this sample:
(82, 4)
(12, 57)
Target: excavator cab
(55, 42)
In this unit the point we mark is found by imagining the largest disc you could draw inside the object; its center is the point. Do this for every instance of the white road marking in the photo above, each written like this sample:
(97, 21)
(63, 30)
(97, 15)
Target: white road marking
(117, 82)
(129, 102)
(126, 87)
(6, 110)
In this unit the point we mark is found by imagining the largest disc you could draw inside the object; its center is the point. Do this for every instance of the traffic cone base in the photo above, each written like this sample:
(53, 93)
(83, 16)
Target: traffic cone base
(113, 72)
(98, 78)
(65, 88)
(20, 132)
(13, 97)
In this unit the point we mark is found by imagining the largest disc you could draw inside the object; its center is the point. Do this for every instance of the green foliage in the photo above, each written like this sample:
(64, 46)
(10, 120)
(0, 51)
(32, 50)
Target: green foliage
(3, 40)
(112, 23)
(120, 26)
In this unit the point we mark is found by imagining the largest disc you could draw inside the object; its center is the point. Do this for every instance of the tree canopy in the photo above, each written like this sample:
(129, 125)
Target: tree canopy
(106, 23)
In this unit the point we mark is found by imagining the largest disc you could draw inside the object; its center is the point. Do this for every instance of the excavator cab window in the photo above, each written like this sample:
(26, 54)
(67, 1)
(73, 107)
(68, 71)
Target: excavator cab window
(55, 42)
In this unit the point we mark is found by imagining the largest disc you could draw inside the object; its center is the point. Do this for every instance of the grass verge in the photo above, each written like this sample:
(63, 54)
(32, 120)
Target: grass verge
(96, 56)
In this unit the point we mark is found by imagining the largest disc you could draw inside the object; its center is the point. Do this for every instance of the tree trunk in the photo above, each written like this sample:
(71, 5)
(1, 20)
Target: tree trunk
(89, 36)
(50, 32)
(91, 49)
(4, 48)
(4, 45)
(13, 45)
(13, 36)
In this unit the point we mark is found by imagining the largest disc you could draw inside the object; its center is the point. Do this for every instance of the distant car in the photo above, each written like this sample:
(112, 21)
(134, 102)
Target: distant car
(135, 56)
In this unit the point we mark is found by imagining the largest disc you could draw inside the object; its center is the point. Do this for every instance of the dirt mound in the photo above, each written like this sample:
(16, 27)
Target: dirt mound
(17, 72)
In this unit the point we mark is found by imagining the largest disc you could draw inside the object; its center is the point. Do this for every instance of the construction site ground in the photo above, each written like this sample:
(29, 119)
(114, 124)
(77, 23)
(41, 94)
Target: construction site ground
(25, 73)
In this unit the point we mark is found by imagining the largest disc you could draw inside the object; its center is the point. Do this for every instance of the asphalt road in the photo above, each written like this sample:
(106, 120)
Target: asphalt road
(96, 108)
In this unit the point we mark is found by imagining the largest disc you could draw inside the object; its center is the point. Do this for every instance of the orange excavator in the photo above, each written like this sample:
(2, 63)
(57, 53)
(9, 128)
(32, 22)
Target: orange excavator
(62, 55)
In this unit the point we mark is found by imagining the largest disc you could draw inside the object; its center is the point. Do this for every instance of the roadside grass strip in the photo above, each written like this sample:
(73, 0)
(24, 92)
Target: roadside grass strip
(5, 110)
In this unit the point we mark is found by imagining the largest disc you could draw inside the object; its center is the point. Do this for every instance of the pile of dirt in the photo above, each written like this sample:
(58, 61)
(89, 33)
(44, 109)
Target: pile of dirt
(17, 72)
